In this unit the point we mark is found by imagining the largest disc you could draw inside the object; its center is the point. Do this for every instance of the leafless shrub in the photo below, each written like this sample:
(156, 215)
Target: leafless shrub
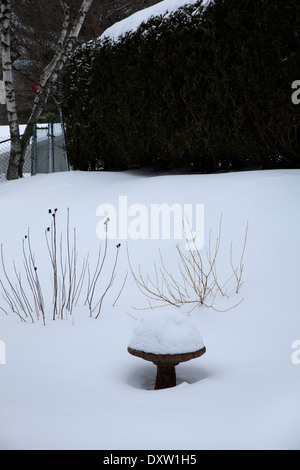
(67, 281)
(24, 294)
(197, 283)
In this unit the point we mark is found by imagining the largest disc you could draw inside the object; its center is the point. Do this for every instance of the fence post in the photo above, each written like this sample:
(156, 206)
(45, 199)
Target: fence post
(48, 149)
(52, 146)
(34, 151)
(64, 139)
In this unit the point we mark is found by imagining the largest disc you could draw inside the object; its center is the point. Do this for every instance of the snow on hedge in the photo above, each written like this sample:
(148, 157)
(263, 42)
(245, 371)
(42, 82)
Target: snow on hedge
(132, 22)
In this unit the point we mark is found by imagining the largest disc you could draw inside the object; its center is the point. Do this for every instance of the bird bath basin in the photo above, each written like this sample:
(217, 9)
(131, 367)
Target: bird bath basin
(166, 363)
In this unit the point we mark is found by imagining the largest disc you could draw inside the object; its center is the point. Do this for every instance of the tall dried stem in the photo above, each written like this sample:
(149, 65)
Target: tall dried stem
(238, 271)
(110, 283)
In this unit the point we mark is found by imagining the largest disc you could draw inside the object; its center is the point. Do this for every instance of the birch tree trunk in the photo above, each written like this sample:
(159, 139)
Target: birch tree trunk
(52, 70)
(15, 150)
(48, 79)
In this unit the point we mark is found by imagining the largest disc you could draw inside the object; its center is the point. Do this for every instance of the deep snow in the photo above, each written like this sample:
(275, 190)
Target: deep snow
(72, 384)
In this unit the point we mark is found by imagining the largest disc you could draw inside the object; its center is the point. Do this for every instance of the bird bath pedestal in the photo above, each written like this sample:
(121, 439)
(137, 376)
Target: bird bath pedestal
(166, 363)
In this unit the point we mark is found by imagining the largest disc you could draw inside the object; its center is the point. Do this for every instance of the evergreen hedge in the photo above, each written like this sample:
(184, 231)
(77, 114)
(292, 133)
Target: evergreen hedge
(202, 89)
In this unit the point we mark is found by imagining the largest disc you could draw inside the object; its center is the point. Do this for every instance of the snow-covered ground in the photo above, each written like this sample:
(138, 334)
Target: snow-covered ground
(72, 384)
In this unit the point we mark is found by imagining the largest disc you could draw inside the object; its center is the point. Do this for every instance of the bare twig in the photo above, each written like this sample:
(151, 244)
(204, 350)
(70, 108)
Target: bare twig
(238, 272)
(121, 290)
(110, 281)
(97, 273)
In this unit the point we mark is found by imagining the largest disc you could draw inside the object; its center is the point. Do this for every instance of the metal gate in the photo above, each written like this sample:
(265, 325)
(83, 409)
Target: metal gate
(48, 153)
(45, 153)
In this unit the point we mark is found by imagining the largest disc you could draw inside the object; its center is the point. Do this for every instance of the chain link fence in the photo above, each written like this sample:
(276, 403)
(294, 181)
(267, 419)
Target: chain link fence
(45, 154)
(4, 159)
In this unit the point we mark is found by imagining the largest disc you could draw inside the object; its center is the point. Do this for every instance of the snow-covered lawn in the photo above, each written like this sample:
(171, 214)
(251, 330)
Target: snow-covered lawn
(72, 384)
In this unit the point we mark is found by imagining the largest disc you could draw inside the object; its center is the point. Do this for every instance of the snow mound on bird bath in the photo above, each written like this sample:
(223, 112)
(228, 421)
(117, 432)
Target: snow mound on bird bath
(167, 332)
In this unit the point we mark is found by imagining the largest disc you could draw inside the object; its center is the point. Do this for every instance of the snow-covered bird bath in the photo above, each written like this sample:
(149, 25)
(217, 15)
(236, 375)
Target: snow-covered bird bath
(166, 339)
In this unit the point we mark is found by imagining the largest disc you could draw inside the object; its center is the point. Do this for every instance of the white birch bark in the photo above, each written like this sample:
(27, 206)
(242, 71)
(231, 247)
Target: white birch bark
(15, 152)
